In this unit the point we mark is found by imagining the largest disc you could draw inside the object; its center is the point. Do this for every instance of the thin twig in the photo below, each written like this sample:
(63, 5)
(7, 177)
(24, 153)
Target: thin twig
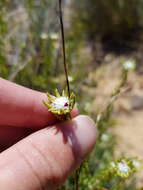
(77, 180)
(63, 45)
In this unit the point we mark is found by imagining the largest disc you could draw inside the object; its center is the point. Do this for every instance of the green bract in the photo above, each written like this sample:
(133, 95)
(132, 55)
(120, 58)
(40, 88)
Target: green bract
(60, 104)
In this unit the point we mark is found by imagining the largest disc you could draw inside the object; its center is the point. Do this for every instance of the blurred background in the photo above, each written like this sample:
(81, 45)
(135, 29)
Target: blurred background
(103, 39)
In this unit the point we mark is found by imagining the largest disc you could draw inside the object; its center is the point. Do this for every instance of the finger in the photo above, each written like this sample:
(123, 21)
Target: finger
(45, 159)
(23, 107)
(11, 135)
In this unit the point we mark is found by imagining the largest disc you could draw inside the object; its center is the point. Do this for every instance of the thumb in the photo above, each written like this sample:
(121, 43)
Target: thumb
(46, 158)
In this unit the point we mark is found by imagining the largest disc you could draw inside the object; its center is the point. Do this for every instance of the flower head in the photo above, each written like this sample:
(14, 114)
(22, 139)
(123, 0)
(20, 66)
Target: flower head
(44, 36)
(60, 104)
(136, 164)
(70, 78)
(123, 169)
(105, 137)
(129, 65)
(54, 36)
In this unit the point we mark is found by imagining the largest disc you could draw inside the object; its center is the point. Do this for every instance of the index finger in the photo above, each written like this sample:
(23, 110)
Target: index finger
(22, 107)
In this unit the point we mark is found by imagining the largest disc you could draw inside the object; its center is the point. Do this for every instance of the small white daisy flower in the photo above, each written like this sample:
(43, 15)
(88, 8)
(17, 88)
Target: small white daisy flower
(44, 36)
(136, 164)
(129, 65)
(54, 36)
(61, 103)
(105, 137)
(123, 169)
(70, 78)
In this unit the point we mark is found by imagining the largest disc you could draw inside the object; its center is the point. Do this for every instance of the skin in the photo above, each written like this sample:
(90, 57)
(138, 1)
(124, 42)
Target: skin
(37, 151)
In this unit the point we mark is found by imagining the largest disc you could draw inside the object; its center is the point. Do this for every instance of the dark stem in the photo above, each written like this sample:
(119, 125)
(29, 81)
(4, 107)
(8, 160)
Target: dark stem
(76, 179)
(63, 45)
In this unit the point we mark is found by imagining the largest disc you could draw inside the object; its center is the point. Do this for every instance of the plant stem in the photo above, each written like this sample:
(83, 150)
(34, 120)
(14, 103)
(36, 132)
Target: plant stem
(76, 180)
(63, 46)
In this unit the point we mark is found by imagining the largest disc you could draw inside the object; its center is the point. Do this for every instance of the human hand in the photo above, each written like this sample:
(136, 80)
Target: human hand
(45, 158)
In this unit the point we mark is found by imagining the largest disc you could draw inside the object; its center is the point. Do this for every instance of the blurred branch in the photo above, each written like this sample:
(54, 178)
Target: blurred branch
(19, 67)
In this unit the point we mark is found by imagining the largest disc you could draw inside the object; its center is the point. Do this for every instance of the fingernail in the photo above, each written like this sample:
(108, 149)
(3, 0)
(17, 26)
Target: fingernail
(81, 133)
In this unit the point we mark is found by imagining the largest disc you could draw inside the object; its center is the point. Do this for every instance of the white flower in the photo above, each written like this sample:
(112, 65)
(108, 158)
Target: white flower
(54, 36)
(70, 78)
(61, 103)
(44, 36)
(105, 137)
(136, 164)
(123, 168)
(129, 65)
